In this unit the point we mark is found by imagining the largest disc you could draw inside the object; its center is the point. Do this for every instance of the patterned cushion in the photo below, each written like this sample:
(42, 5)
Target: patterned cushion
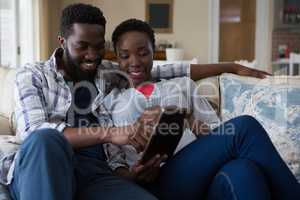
(274, 102)
(8, 144)
(209, 88)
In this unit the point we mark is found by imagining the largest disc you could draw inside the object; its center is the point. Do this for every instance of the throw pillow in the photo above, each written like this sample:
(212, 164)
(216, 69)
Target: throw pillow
(274, 102)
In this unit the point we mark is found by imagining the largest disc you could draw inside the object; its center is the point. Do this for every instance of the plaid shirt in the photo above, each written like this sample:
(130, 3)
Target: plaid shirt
(43, 99)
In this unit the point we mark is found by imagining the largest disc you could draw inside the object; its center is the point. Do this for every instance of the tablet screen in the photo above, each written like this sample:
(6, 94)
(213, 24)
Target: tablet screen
(167, 134)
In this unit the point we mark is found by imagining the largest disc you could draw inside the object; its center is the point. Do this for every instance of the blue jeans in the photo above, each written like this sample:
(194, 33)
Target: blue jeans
(222, 165)
(235, 161)
(47, 168)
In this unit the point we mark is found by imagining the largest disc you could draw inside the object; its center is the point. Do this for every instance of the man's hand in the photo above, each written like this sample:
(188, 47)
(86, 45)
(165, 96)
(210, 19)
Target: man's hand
(145, 126)
(246, 71)
(138, 133)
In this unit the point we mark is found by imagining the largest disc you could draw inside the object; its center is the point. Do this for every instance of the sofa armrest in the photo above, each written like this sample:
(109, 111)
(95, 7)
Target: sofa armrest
(5, 126)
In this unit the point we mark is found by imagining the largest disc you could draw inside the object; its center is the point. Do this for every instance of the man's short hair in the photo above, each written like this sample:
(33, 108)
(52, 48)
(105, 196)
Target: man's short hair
(80, 13)
(133, 25)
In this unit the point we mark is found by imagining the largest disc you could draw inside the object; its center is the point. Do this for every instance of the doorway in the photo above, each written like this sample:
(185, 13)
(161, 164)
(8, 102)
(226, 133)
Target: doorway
(237, 30)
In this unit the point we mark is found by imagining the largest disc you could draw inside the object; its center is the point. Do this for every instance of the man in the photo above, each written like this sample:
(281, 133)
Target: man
(62, 158)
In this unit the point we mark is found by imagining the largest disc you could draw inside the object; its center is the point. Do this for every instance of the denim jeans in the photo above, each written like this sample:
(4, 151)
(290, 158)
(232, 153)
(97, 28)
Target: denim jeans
(47, 168)
(235, 161)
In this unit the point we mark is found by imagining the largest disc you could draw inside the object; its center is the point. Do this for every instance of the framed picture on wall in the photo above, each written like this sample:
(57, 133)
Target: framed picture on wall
(159, 14)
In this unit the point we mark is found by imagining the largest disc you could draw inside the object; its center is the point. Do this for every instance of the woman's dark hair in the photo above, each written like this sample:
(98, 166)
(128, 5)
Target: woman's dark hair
(133, 25)
(80, 13)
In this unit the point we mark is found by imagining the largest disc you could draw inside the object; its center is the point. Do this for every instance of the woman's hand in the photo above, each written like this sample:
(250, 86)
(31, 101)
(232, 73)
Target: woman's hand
(143, 173)
(149, 171)
(200, 71)
(246, 71)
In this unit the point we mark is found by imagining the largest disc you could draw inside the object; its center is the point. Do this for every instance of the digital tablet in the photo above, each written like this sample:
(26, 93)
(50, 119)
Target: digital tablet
(167, 134)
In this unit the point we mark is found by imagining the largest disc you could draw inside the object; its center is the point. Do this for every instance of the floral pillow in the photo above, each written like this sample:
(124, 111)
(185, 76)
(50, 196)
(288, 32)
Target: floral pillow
(274, 102)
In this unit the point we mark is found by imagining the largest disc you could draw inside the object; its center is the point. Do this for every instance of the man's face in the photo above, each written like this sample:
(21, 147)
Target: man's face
(83, 51)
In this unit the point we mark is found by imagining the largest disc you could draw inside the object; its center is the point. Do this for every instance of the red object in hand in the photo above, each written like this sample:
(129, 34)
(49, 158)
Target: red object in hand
(146, 89)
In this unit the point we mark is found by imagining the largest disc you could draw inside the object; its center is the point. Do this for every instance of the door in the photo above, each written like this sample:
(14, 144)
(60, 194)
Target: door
(237, 30)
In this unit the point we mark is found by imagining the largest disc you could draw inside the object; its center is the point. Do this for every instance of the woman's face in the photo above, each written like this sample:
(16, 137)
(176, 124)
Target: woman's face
(135, 56)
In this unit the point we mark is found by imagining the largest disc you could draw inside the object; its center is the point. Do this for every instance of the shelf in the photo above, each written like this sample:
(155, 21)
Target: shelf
(281, 61)
(158, 55)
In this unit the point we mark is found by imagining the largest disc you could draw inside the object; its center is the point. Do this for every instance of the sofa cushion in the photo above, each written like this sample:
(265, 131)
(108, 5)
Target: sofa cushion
(274, 102)
(8, 144)
(4, 126)
(7, 103)
(209, 88)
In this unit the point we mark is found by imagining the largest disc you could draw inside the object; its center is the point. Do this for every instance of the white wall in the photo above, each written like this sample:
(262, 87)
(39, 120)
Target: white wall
(270, 32)
(190, 22)
(191, 30)
(264, 28)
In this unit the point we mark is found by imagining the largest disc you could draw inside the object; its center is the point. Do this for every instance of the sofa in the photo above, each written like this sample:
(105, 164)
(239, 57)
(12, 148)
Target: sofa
(274, 101)
(8, 141)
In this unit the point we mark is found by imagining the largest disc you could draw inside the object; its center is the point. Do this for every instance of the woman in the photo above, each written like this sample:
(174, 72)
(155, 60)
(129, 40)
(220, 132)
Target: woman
(233, 161)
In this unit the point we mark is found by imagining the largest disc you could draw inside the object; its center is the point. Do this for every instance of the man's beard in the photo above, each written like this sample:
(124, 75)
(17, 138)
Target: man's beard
(74, 71)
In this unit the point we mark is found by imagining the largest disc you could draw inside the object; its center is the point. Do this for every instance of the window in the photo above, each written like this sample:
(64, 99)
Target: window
(8, 37)
(18, 32)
